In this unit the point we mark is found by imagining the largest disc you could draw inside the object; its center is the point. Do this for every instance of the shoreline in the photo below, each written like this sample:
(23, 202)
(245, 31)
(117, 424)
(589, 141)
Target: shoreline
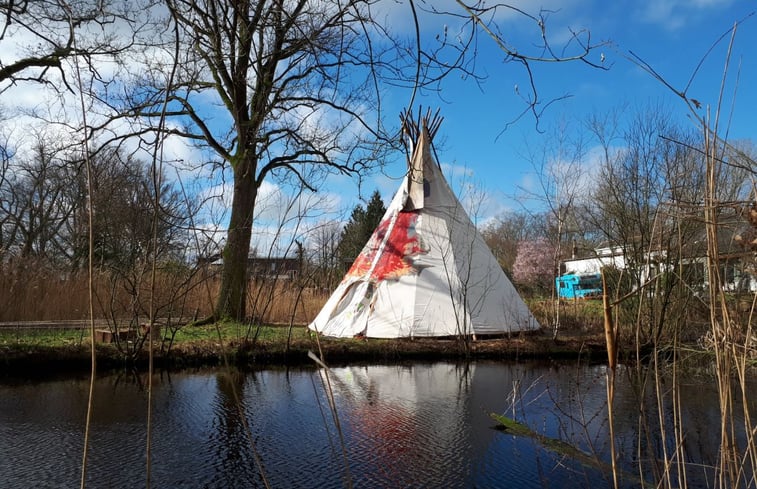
(39, 361)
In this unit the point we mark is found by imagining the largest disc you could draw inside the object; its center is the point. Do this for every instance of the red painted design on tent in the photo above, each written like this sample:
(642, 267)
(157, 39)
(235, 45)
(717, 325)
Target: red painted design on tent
(397, 257)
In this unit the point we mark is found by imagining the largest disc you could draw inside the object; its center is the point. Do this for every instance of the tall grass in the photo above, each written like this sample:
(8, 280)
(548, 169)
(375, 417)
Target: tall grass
(37, 293)
(724, 326)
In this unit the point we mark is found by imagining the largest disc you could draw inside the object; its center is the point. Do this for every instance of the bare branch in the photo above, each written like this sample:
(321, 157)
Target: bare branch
(582, 38)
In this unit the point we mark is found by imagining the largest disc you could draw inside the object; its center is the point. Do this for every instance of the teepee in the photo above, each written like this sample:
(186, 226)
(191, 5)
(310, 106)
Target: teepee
(426, 271)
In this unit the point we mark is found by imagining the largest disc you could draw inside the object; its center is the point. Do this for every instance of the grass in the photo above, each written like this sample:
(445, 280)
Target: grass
(234, 331)
(42, 337)
(42, 350)
(230, 331)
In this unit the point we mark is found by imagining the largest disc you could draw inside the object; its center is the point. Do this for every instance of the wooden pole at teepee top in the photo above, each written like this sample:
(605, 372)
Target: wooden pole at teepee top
(412, 126)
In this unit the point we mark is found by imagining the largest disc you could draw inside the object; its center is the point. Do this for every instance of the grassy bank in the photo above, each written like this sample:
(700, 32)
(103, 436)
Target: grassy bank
(27, 351)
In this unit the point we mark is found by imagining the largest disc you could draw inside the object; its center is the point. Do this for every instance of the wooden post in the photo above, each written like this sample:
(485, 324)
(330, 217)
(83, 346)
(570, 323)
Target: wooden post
(610, 338)
(612, 361)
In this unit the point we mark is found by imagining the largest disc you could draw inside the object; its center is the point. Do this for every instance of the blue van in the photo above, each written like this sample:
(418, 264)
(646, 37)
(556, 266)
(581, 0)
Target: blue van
(579, 286)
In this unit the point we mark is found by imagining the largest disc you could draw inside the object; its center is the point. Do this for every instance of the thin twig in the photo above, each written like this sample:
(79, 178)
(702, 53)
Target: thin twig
(90, 261)
(157, 173)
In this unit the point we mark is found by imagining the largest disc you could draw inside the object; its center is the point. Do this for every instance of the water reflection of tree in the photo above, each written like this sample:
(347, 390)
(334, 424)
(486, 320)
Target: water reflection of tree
(234, 465)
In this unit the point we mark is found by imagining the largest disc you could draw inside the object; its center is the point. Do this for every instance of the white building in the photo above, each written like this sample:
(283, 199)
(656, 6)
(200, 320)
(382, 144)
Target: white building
(734, 272)
(603, 257)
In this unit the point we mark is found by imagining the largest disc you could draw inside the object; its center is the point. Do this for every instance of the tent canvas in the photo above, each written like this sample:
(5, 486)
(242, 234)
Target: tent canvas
(425, 272)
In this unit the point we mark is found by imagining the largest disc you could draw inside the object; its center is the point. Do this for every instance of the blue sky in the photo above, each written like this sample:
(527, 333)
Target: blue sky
(476, 146)
(670, 35)
(485, 159)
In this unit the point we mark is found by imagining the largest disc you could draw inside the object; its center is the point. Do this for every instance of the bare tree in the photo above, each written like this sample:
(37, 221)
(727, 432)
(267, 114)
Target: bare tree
(325, 256)
(8, 228)
(562, 178)
(646, 200)
(293, 80)
(292, 84)
(504, 233)
(43, 206)
(37, 36)
(32, 205)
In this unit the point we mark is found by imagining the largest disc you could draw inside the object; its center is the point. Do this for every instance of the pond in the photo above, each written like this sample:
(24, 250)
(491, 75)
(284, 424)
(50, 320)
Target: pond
(415, 425)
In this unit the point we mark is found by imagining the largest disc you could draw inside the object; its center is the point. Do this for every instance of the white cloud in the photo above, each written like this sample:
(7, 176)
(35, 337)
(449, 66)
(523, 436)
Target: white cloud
(676, 14)
(285, 214)
(456, 172)
(387, 186)
(182, 154)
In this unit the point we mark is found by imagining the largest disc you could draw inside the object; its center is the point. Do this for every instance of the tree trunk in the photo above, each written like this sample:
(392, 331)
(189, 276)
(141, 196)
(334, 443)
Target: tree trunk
(233, 294)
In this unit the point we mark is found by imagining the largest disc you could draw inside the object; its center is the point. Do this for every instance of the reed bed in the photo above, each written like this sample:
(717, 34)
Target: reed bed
(36, 293)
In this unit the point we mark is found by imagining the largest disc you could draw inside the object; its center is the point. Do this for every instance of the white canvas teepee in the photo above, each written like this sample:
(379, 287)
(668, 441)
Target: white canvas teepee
(425, 272)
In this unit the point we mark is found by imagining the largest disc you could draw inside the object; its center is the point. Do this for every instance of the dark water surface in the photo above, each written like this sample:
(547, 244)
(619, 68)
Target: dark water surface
(419, 425)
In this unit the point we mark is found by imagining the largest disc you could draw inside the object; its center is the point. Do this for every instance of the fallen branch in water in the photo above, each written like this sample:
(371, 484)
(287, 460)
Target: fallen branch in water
(560, 447)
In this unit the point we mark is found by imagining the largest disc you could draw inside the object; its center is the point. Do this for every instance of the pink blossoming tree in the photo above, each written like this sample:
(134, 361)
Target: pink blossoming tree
(534, 263)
